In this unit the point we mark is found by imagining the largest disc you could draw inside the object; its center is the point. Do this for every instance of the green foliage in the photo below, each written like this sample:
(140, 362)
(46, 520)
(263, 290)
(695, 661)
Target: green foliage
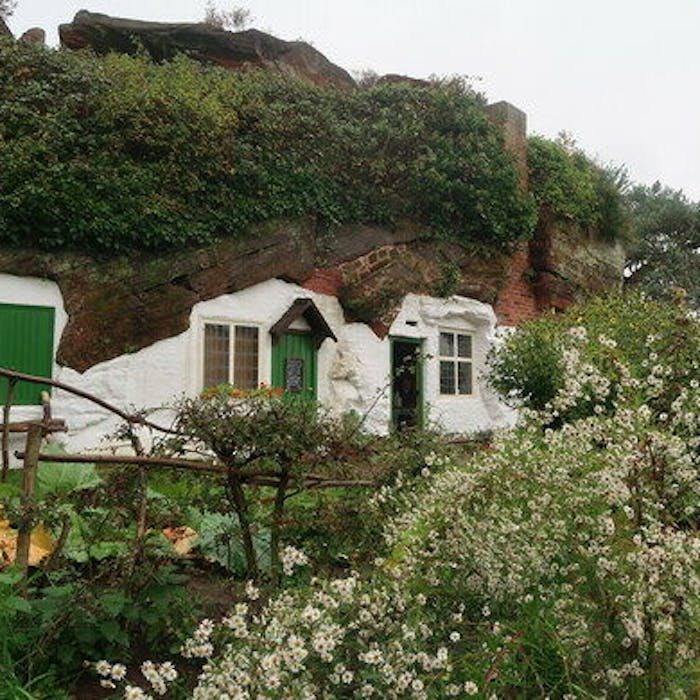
(62, 478)
(528, 369)
(15, 643)
(113, 620)
(104, 593)
(557, 563)
(116, 152)
(564, 179)
(219, 540)
(243, 428)
(663, 254)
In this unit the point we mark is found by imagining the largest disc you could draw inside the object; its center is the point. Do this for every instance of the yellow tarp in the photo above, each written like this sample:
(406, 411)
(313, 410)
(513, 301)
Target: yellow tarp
(40, 546)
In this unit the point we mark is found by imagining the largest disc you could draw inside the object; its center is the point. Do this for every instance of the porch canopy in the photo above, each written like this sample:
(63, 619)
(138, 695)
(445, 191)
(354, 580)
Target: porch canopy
(305, 308)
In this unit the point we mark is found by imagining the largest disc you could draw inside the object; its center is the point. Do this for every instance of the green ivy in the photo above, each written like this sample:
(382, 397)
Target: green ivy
(115, 153)
(565, 180)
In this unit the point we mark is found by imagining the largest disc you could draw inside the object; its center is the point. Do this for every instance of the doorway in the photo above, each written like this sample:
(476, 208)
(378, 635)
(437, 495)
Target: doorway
(294, 364)
(406, 383)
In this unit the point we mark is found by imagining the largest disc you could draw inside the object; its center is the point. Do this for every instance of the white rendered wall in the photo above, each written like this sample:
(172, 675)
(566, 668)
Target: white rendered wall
(353, 374)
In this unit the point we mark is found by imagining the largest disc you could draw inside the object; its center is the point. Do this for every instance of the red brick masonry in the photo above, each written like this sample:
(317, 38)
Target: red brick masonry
(517, 302)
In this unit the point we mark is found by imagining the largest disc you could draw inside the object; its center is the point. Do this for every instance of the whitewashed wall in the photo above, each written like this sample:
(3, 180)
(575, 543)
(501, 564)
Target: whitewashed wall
(354, 373)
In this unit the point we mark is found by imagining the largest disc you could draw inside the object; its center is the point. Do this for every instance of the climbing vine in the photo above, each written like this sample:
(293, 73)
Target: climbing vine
(565, 180)
(115, 153)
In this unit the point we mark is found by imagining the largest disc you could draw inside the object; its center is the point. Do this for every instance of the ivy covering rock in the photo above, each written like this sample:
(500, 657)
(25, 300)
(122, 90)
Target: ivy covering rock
(572, 185)
(117, 152)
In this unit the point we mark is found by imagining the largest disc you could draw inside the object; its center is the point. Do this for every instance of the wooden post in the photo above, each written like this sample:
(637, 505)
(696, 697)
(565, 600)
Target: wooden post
(6, 428)
(276, 530)
(143, 484)
(24, 529)
(46, 406)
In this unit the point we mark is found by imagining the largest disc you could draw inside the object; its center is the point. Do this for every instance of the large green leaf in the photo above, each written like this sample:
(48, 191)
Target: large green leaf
(220, 541)
(61, 478)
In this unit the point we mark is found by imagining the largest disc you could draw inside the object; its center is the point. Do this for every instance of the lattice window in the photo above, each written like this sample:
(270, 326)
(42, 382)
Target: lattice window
(231, 355)
(455, 357)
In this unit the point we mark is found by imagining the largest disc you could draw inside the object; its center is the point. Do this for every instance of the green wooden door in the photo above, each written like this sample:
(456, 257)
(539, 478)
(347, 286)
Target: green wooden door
(26, 345)
(294, 364)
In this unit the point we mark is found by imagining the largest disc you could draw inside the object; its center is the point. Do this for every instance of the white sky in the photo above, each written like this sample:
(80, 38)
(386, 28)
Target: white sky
(623, 76)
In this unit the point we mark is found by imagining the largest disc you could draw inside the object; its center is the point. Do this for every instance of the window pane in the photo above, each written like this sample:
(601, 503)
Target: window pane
(447, 377)
(464, 345)
(464, 372)
(294, 374)
(245, 358)
(216, 354)
(447, 344)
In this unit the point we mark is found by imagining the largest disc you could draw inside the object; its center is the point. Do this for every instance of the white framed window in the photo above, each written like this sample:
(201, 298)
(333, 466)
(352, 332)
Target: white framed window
(455, 358)
(230, 355)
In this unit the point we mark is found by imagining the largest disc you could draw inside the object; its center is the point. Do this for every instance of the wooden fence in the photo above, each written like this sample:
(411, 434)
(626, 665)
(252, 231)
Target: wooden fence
(37, 430)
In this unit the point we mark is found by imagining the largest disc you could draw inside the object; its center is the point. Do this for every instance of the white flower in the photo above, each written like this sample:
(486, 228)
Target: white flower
(471, 688)
(104, 668)
(132, 692)
(372, 657)
(291, 558)
(118, 672)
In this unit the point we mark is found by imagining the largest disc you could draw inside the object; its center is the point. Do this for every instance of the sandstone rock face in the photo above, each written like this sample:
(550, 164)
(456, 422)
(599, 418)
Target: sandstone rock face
(376, 283)
(572, 263)
(123, 304)
(35, 35)
(234, 50)
(119, 305)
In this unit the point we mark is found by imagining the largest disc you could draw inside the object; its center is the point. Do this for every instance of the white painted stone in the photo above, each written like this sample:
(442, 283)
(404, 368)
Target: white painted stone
(354, 373)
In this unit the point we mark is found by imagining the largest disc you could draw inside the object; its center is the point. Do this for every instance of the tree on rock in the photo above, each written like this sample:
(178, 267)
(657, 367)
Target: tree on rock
(235, 18)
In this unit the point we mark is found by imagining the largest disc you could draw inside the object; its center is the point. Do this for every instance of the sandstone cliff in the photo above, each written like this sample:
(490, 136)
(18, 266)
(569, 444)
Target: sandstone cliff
(235, 50)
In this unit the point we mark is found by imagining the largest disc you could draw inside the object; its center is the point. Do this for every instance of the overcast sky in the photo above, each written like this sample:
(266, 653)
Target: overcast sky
(622, 76)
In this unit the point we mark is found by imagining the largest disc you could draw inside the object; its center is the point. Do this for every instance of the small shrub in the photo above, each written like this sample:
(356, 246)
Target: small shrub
(528, 369)
(565, 180)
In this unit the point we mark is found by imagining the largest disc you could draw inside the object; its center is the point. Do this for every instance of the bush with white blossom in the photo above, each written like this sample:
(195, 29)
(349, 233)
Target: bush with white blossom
(563, 561)
(558, 563)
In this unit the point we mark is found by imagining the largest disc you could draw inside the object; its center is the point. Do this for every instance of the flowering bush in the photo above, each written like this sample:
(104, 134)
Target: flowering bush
(561, 563)
(528, 369)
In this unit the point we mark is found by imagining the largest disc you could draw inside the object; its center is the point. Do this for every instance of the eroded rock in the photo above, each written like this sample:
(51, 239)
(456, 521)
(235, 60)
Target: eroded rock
(203, 42)
(35, 35)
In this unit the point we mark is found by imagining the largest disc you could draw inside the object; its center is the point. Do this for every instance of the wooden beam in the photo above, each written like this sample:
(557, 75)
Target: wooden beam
(130, 460)
(26, 523)
(6, 427)
(259, 478)
(55, 425)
